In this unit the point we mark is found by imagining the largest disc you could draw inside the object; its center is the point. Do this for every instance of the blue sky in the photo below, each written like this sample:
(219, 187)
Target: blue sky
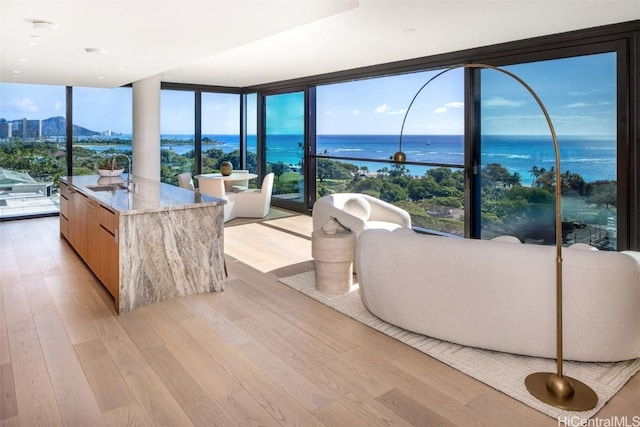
(578, 92)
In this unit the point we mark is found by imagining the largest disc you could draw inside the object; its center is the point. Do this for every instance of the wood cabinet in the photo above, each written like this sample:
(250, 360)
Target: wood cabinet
(64, 210)
(146, 244)
(92, 230)
(107, 265)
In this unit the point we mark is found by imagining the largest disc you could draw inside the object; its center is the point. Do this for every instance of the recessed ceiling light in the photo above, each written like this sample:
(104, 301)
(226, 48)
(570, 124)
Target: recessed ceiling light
(44, 25)
(100, 77)
(148, 55)
(36, 37)
(16, 72)
(95, 50)
(408, 30)
(23, 60)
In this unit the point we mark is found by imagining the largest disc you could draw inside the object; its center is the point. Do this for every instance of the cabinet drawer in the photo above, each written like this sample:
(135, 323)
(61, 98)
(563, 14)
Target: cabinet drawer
(64, 226)
(64, 206)
(108, 220)
(64, 200)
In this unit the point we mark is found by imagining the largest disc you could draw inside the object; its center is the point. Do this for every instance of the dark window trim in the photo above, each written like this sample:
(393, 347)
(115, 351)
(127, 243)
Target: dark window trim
(609, 38)
(200, 88)
(525, 47)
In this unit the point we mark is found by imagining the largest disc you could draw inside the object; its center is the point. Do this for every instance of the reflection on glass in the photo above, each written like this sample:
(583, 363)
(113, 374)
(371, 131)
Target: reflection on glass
(33, 155)
(284, 139)
(518, 158)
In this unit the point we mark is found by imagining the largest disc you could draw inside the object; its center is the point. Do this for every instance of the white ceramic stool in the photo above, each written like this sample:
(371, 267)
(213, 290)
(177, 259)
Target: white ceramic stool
(333, 255)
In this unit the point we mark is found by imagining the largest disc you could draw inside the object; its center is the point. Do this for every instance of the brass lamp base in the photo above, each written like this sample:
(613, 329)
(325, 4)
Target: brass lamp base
(562, 392)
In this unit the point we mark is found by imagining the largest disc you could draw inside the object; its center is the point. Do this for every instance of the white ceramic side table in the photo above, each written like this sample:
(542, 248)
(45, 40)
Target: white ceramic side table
(333, 255)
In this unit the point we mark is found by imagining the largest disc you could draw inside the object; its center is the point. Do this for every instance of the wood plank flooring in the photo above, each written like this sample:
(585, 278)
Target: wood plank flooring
(258, 353)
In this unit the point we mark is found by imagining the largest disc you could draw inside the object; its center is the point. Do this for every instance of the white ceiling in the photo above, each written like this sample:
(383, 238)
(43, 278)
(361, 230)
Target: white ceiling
(249, 42)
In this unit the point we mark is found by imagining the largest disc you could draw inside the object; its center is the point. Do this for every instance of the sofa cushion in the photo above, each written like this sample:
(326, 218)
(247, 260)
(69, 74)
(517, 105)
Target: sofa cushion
(384, 225)
(506, 239)
(583, 246)
(357, 207)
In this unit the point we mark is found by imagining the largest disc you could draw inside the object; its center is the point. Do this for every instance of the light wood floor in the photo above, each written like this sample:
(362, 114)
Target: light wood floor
(258, 353)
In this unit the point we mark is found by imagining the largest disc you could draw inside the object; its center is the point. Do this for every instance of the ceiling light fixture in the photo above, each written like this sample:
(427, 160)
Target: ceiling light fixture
(39, 24)
(95, 50)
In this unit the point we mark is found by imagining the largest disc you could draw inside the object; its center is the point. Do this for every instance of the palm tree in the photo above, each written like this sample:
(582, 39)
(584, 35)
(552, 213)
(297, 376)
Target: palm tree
(535, 173)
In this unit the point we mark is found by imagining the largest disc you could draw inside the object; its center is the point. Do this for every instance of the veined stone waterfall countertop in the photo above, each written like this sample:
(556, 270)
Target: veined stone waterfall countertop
(151, 196)
(170, 240)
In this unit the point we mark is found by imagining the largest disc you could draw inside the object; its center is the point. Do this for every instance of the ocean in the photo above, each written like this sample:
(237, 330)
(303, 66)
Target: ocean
(592, 157)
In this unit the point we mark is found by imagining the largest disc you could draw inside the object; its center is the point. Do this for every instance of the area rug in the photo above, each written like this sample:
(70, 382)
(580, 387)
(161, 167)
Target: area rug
(489, 367)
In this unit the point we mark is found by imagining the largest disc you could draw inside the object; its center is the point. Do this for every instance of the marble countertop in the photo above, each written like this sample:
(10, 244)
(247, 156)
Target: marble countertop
(149, 195)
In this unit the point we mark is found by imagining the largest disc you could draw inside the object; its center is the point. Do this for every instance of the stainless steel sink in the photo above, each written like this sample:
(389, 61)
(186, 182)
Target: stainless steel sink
(107, 187)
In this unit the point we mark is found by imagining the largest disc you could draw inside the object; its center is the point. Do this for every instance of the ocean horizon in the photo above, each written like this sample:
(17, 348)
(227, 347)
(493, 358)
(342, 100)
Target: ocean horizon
(592, 157)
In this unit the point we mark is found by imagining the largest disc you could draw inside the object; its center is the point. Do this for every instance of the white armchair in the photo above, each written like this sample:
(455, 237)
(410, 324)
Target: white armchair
(215, 187)
(359, 212)
(255, 203)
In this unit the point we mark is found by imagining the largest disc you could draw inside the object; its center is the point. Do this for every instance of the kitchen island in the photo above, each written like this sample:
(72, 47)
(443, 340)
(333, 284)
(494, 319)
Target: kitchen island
(146, 242)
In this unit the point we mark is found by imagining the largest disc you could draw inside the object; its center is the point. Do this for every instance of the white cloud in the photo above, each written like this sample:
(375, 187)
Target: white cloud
(501, 102)
(587, 92)
(26, 105)
(454, 104)
(578, 105)
(440, 110)
(356, 112)
(384, 108)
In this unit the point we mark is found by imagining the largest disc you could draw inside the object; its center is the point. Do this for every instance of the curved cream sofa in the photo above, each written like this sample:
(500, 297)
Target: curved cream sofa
(359, 212)
(501, 296)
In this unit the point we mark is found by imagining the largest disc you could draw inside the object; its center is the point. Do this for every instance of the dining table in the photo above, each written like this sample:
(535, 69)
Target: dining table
(228, 179)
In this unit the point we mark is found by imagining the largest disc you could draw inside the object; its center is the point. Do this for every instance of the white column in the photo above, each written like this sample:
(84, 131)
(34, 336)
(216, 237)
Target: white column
(146, 128)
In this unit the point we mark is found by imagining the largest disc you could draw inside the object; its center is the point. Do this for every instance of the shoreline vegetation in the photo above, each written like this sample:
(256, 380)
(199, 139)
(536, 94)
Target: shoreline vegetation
(434, 200)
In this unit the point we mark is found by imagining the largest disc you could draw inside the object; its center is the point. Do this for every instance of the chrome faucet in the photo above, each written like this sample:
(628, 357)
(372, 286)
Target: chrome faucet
(130, 184)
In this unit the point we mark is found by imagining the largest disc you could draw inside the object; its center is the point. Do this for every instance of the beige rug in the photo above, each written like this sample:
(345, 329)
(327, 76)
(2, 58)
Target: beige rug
(490, 367)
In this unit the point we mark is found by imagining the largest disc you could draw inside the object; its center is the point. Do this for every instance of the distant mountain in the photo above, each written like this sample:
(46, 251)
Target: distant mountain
(53, 126)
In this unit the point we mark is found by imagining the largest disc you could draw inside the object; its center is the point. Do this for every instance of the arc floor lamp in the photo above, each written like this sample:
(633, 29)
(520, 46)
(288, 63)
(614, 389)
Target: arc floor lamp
(555, 389)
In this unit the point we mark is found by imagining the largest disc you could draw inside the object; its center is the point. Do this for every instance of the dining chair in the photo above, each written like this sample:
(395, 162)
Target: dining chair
(255, 203)
(215, 187)
(185, 180)
(240, 185)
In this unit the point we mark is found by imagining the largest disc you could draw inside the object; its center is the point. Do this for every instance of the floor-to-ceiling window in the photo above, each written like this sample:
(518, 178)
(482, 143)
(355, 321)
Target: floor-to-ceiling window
(359, 124)
(220, 129)
(32, 148)
(284, 131)
(507, 157)
(177, 134)
(518, 157)
(103, 124)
